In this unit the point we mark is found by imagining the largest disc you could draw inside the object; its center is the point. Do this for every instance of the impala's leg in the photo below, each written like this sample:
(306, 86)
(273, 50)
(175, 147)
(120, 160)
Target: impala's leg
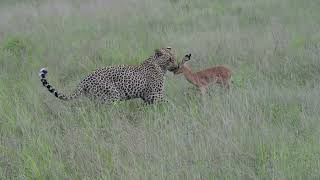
(203, 90)
(226, 84)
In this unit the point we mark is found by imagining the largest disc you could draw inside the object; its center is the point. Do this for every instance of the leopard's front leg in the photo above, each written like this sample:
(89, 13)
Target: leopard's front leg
(155, 98)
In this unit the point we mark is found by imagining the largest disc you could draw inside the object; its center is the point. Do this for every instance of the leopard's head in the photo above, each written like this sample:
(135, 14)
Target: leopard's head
(166, 59)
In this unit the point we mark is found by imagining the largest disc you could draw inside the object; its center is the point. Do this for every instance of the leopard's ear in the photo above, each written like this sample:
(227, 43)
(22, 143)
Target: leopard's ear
(169, 48)
(158, 52)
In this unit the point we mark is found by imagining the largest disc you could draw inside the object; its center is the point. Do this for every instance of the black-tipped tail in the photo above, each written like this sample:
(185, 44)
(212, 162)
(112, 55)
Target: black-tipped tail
(43, 72)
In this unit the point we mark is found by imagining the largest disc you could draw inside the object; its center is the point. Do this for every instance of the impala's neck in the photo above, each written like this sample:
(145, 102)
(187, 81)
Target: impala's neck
(188, 74)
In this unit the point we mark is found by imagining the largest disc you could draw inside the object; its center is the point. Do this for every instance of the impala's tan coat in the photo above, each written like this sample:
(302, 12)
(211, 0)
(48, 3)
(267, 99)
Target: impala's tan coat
(217, 74)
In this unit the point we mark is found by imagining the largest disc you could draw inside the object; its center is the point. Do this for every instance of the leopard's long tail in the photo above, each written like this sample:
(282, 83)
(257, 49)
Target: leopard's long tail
(43, 72)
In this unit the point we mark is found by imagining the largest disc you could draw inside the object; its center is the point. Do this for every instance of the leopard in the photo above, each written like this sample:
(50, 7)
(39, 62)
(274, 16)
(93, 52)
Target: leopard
(123, 82)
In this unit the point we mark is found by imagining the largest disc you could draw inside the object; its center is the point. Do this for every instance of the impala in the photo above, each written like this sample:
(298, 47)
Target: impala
(201, 79)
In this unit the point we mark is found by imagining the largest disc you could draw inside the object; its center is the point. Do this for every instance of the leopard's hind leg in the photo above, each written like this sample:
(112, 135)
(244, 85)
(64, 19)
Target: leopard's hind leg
(110, 94)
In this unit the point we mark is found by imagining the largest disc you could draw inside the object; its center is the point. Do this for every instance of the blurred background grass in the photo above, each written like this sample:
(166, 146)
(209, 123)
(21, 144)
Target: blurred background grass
(266, 127)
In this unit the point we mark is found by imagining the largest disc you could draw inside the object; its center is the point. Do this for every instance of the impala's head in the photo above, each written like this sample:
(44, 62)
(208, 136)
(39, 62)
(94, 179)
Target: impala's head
(165, 58)
(185, 59)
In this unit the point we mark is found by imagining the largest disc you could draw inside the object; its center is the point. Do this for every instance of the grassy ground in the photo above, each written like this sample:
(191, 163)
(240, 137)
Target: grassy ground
(266, 127)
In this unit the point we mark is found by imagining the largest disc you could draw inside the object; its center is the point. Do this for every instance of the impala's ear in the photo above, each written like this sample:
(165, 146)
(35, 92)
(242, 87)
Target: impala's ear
(158, 52)
(188, 56)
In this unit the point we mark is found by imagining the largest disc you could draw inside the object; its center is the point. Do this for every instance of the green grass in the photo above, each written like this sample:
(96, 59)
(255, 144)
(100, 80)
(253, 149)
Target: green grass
(266, 127)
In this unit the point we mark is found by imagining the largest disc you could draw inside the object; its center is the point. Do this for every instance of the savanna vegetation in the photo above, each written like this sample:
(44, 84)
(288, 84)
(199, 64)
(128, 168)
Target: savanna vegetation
(266, 127)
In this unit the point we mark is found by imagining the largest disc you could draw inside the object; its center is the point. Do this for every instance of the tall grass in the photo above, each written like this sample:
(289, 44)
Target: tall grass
(266, 127)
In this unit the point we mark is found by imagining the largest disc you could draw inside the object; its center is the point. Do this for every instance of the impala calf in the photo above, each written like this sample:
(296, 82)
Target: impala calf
(217, 74)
